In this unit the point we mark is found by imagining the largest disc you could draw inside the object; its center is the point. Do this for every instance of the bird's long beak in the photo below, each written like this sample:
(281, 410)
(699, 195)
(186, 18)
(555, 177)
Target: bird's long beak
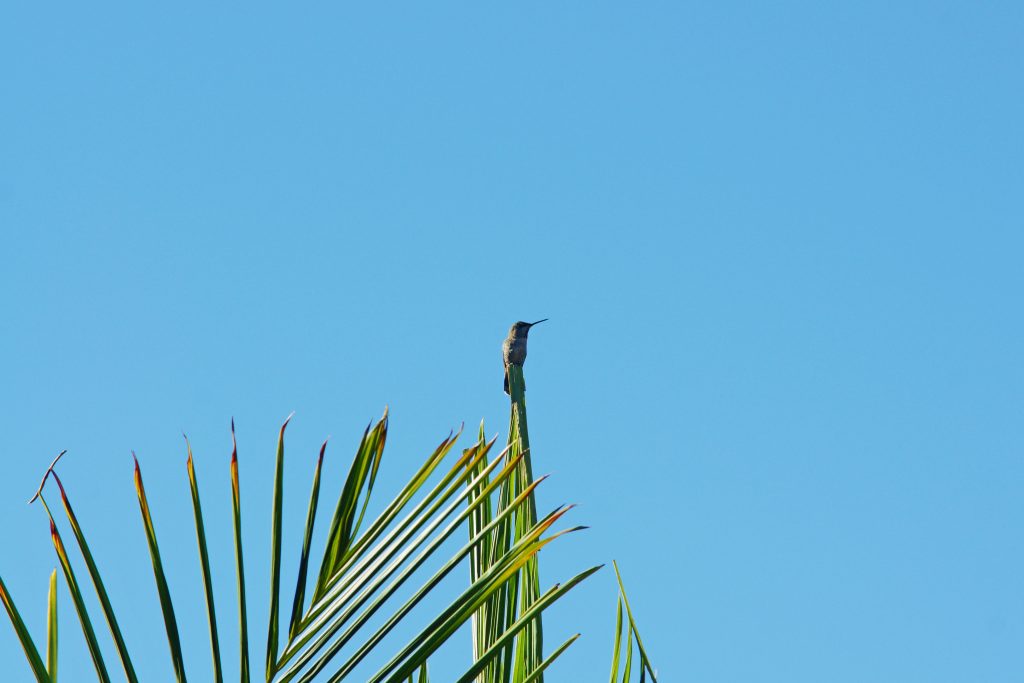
(537, 323)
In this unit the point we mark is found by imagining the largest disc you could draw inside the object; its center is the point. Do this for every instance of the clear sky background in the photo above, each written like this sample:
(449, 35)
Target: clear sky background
(780, 245)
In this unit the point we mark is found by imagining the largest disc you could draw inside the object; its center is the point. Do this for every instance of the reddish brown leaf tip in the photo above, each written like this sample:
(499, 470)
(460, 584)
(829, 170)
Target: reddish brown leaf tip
(234, 443)
(63, 495)
(323, 448)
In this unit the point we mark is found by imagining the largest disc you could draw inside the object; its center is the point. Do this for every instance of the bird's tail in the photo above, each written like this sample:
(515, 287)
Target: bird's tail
(506, 381)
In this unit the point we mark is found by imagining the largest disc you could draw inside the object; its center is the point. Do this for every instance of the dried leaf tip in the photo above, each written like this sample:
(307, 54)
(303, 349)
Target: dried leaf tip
(286, 421)
(49, 470)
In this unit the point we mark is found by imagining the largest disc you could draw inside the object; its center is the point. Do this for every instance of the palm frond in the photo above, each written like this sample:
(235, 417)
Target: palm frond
(372, 580)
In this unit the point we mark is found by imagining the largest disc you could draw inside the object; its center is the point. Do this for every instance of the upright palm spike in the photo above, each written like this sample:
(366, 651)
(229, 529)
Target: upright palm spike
(529, 650)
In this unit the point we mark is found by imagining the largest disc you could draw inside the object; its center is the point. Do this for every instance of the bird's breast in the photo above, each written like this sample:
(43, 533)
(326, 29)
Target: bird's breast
(514, 351)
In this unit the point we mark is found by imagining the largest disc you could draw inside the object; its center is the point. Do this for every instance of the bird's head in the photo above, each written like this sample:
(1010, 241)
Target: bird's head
(521, 329)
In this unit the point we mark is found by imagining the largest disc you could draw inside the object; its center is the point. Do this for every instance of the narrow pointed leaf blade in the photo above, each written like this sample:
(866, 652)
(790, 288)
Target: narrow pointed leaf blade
(627, 669)
(166, 606)
(204, 559)
(27, 644)
(300, 582)
(51, 628)
(275, 554)
(617, 647)
(551, 658)
(236, 509)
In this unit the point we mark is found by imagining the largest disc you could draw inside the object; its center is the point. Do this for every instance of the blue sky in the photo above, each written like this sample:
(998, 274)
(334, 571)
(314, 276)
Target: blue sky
(780, 245)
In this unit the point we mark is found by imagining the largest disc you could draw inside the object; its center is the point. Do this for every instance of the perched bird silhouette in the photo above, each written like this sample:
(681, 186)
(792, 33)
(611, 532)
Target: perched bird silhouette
(513, 350)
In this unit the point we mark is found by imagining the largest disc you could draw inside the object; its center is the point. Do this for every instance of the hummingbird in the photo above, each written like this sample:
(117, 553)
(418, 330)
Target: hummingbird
(513, 350)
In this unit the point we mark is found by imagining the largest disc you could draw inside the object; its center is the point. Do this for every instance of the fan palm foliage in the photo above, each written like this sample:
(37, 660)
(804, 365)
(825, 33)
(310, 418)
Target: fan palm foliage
(371, 576)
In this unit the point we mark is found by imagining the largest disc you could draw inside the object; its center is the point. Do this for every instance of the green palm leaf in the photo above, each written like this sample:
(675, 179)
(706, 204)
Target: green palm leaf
(275, 553)
(27, 644)
(170, 622)
(204, 560)
(236, 509)
(51, 628)
(300, 581)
